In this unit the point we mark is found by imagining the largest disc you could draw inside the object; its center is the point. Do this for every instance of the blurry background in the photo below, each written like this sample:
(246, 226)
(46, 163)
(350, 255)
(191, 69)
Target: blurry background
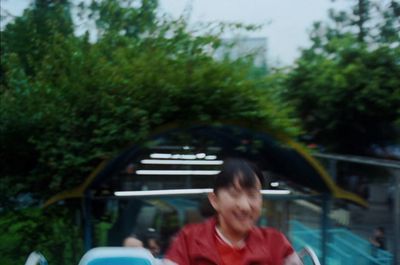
(82, 81)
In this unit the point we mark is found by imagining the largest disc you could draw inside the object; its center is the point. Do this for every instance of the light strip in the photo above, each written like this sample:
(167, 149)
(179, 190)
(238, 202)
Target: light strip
(274, 184)
(177, 172)
(180, 162)
(161, 192)
(179, 156)
(186, 191)
(173, 156)
(183, 156)
(275, 192)
(158, 155)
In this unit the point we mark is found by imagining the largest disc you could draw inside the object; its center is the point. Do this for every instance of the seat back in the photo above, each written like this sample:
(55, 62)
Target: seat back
(117, 256)
(36, 258)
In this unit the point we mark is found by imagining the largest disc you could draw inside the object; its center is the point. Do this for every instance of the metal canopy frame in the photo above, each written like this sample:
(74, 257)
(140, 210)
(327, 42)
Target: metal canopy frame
(301, 156)
(395, 166)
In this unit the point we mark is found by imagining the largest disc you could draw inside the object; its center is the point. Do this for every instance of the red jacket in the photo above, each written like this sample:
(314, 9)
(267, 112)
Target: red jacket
(195, 245)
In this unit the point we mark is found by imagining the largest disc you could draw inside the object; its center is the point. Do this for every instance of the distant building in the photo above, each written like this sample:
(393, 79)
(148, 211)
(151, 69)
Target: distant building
(241, 47)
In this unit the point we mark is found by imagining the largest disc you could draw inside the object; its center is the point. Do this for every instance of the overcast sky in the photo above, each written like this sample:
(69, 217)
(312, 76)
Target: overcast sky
(286, 21)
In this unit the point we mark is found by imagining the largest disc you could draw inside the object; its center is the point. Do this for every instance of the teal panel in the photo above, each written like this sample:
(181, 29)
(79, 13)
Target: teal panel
(120, 261)
(344, 247)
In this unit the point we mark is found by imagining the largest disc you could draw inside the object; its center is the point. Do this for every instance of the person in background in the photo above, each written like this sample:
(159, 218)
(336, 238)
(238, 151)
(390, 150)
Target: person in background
(378, 238)
(231, 236)
(153, 245)
(132, 241)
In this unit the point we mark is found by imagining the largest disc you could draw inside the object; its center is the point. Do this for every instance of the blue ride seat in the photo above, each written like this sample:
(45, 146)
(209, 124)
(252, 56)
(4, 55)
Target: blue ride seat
(117, 256)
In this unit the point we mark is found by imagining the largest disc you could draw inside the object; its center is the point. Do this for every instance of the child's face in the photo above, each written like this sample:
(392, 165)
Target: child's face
(154, 247)
(238, 208)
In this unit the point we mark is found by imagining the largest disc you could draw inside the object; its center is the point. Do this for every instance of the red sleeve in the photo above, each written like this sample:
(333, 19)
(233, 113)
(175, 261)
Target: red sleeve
(178, 250)
(279, 246)
(286, 247)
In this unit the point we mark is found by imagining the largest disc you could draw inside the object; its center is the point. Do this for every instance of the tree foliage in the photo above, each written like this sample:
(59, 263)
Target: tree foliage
(370, 21)
(346, 86)
(86, 101)
(50, 232)
(68, 103)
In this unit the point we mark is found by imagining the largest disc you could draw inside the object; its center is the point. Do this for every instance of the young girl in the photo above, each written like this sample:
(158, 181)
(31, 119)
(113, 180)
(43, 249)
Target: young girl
(231, 236)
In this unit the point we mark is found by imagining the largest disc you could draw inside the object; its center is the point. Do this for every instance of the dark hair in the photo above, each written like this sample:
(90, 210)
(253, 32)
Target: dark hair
(234, 168)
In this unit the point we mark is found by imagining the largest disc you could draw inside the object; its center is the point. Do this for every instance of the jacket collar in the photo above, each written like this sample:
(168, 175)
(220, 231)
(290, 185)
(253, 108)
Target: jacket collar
(205, 244)
(207, 249)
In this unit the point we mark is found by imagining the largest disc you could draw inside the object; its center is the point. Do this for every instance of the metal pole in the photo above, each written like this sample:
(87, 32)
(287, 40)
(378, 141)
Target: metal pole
(396, 217)
(325, 227)
(87, 222)
(286, 216)
(333, 169)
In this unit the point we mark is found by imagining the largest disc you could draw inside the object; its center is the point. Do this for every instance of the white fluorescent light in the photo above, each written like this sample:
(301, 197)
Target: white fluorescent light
(177, 172)
(200, 155)
(186, 191)
(158, 155)
(274, 184)
(182, 156)
(180, 162)
(275, 192)
(161, 192)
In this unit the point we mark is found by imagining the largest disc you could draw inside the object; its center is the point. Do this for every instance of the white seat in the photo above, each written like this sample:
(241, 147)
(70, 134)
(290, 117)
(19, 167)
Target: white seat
(117, 256)
(36, 258)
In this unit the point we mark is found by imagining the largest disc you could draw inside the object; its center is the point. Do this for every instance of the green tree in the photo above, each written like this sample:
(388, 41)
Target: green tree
(79, 102)
(30, 36)
(371, 21)
(123, 17)
(51, 232)
(87, 101)
(346, 86)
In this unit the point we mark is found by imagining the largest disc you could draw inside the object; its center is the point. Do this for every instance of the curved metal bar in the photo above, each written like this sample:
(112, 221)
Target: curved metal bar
(308, 251)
